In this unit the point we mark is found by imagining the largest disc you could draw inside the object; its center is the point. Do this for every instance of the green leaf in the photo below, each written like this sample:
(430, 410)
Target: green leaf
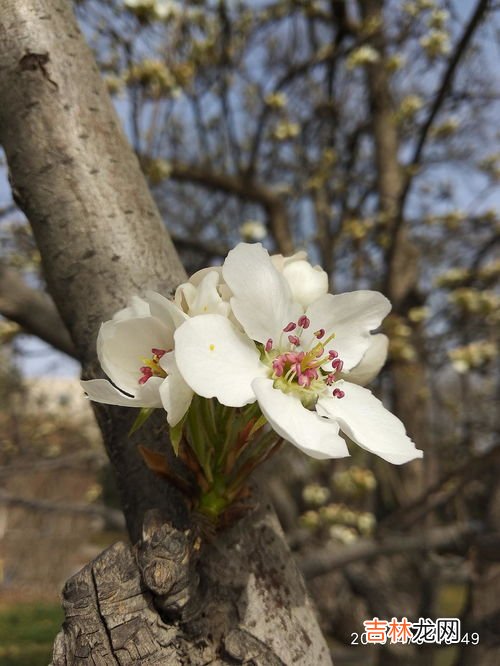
(142, 417)
(176, 435)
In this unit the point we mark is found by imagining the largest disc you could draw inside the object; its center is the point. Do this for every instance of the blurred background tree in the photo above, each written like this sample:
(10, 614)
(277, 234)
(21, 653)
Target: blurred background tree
(364, 132)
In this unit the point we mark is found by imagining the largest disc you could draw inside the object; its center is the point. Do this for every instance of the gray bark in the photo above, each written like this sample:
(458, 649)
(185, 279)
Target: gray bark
(102, 240)
(98, 230)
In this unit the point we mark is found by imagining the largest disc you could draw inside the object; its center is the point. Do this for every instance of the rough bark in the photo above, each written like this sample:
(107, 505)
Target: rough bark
(73, 173)
(98, 230)
(112, 617)
(102, 240)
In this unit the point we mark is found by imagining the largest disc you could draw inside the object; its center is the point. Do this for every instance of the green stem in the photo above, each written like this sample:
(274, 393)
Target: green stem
(216, 500)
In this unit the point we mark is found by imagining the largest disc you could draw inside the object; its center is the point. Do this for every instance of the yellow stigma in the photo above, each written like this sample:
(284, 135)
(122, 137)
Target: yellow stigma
(212, 347)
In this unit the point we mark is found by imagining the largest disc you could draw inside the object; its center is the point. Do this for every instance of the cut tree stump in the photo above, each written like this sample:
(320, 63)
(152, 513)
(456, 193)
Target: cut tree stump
(172, 599)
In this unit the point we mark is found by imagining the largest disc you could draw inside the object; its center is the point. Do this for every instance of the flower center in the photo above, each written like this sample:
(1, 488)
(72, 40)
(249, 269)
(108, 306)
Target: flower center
(298, 369)
(151, 367)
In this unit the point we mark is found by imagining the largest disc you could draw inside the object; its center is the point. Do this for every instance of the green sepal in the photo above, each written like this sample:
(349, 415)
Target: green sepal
(142, 417)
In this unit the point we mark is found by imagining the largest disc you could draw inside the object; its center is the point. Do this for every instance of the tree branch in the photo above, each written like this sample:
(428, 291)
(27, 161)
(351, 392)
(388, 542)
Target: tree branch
(33, 310)
(323, 562)
(79, 460)
(113, 517)
(441, 492)
(447, 80)
(247, 190)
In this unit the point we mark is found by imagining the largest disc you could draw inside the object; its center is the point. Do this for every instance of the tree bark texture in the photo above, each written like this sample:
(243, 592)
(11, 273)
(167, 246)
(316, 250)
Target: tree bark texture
(98, 230)
(150, 604)
(102, 240)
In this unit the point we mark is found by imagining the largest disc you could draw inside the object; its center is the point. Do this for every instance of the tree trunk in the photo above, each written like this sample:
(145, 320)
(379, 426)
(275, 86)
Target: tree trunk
(410, 402)
(101, 240)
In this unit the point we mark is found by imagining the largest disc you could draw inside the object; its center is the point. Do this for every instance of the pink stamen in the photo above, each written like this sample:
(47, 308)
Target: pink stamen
(153, 369)
(304, 380)
(294, 357)
(278, 366)
(337, 365)
(312, 373)
(303, 368)
(146, 374)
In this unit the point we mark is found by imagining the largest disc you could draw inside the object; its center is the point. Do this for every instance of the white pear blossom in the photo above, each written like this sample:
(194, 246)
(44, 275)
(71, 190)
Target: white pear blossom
(294, 355)
(204, 294)
(135, 351)
(306, 282)
(135, 348)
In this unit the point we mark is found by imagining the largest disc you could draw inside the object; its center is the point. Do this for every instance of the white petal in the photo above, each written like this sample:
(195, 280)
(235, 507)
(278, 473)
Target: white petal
(217, 361)
(364, 419)
(306, 282)
(351, 316)
(262, 301)
(184, 296)
(165, 310)
(291, 420)
(147, 395)
(372, 362)
(137, 308)
(122, 344)
(175, 394)
(197, 278)
(206, 298)
(279, 261)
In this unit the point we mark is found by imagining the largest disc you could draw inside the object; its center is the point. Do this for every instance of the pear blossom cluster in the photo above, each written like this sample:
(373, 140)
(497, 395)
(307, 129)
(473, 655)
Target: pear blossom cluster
(260, 333)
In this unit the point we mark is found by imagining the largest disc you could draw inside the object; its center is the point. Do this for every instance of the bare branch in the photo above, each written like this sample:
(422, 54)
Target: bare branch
(33, 310)
(246, 189)
(437, 538)
(80, 460)
(113, 517)
(204, 247)
(441, 492)
(446, 82)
